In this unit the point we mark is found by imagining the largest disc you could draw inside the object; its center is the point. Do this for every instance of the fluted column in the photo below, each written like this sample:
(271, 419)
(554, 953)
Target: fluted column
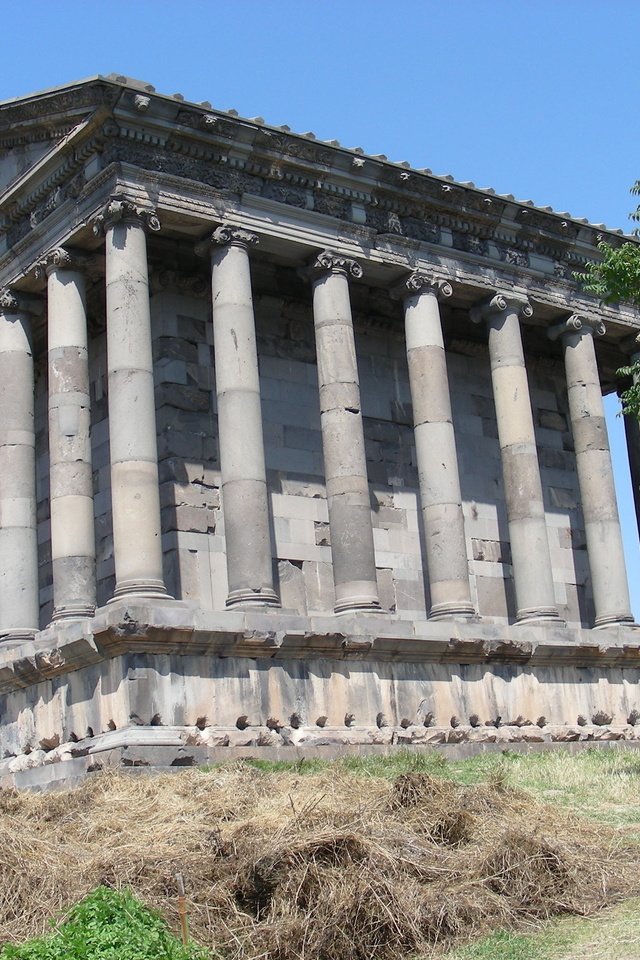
(438, 476)
(354, 565)
(71, 483)
(132, 418)
(532, 572)
(595, 470)
(19, 595)
(245, 501)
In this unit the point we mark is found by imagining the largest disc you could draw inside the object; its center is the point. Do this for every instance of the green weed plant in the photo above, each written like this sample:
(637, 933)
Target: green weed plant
(107, 925)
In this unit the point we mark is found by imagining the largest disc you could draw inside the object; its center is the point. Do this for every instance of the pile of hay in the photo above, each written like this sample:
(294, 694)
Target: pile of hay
(329, 866)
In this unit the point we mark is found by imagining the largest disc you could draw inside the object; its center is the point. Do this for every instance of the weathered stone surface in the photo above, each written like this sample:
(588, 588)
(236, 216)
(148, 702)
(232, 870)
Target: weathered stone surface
(321, 451)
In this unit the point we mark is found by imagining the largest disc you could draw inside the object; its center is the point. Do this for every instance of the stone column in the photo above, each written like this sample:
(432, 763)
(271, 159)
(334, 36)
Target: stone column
(632, 430)
(19, 594)
(73, 549)
(132, 418)
(354, 563)
(433, 429)
(595, 470)
(245, 500)
(532, 572)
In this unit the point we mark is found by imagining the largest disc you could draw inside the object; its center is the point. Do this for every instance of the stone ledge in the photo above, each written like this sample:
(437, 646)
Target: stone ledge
(173, 627)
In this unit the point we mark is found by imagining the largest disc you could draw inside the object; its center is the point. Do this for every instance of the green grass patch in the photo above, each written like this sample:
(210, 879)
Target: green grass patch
(107, 925)
(602, 784)
(614, 934)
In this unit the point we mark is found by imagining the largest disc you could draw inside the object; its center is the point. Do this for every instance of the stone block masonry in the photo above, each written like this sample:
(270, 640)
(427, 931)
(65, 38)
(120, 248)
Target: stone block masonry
(265, 481)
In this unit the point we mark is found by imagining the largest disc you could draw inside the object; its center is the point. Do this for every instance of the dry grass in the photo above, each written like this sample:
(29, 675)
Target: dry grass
(327, 866)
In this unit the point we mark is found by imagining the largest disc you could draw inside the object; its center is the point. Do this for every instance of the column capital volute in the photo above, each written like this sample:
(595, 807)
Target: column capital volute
(15, 301)
(227, 234)
(120, 209)
(501, 303)
(419, 282)
(327, 262)
(59, 258)
(577, 323)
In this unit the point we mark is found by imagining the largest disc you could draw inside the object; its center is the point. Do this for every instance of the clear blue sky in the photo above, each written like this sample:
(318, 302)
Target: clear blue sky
(532, 97)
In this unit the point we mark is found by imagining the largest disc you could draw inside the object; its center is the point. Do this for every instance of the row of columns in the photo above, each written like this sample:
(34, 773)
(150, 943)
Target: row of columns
(132, 431)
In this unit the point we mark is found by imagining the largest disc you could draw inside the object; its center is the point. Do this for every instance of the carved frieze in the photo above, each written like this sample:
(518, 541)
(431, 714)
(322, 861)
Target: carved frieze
(331, 205)
(214, 172)
(286, 193)
(470, 243)
(511, 255)
(389, 221)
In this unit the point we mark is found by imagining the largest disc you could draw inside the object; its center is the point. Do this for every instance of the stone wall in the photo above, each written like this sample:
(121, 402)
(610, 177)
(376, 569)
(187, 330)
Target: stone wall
(192, 518)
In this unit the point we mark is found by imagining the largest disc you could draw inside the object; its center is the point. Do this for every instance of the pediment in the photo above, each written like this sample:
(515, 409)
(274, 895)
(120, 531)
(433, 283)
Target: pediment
(31, 127)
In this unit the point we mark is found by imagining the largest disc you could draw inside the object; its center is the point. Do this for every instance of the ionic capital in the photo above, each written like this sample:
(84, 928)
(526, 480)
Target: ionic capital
(577, 323)
(121, 210)
(418, 282)
(499, 304)
(227, 235)
(13, 301)
(59, 259)
(329, 262)
(8, 301)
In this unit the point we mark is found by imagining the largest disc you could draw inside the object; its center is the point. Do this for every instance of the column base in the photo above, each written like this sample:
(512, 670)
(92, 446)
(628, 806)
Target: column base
(446, 611)
(73, 611)
(146, 589)
(17, 634)
(358, 605)
(264, 597)
(614, 619)
(540, 615)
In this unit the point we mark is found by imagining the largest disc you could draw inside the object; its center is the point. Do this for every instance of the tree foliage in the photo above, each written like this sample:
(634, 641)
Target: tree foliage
(617, 277)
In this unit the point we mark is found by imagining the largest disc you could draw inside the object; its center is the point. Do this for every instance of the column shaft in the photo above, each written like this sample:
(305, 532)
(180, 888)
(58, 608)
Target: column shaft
(354, 565)
(71, 482)
(19, 594)
(438, 475)
(244, 480)
(132, 420)
(532, 572)
(595, 474)
(632, 433)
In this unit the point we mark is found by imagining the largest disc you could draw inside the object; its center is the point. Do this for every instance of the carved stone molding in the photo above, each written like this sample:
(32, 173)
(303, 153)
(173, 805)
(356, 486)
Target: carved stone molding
(329, 262)
(418, 282)
(500, 303)
(14, 301)
(225, 234)
(59, 258)
(577, 323)
(122, 210)
(8, 301)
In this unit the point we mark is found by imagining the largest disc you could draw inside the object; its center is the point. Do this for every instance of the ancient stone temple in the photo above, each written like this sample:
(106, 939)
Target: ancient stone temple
(299, 447)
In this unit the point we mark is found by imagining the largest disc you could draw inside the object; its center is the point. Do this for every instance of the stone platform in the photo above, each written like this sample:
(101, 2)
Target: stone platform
(159, 683)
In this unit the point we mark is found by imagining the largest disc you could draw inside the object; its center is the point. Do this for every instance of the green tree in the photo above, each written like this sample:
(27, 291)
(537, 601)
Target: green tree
(617, 277)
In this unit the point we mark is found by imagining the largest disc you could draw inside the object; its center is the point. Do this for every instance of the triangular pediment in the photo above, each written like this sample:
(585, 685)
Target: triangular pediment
(33, 126)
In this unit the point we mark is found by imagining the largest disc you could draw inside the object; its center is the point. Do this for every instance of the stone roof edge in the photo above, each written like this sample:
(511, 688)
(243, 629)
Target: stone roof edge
(130, 83)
